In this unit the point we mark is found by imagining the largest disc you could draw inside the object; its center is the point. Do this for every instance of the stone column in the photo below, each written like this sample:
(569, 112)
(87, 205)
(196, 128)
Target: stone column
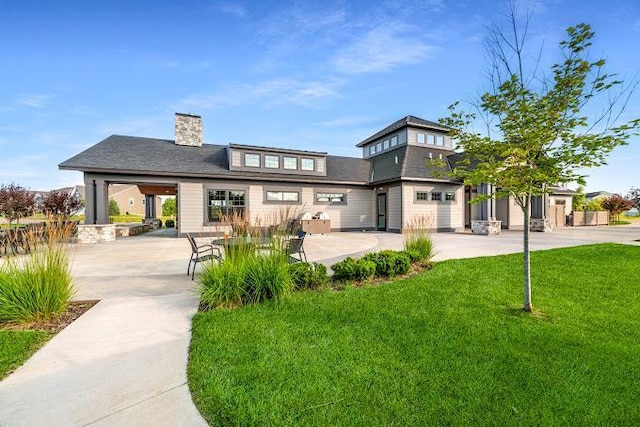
(101, 201)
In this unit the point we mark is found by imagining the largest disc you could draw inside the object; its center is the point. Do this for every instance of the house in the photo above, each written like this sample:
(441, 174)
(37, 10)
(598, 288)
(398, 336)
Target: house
(131, 201)
(386, 189)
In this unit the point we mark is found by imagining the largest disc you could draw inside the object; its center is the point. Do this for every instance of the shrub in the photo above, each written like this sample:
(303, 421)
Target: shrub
(353, 269)
(419, 246)
(222, 285)
(308, 276)
(389, 263)
(267, 277)
(37, 287)
(170, 223)
(159, 223)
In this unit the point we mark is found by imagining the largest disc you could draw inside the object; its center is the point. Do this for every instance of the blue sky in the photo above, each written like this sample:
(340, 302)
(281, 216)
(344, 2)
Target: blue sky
(296, 74)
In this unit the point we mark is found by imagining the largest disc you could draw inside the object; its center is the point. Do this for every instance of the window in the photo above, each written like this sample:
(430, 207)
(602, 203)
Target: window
(307, 164)
(422, 196)
(290, 162)
(131, 201)
(431, 139)
(394, 141)
(372, 150)
(385, 144)
(421, 138)
(450, 196)
(282, 196)
(223, 203)
(331, 198)
(271, 161)
(379, 147)
(252, 160)
(440, 140)
(436, 197)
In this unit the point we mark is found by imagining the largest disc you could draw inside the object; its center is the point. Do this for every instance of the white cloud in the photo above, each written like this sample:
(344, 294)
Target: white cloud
(34, 100)
(280, 91)
(235, 9)
(381, 50)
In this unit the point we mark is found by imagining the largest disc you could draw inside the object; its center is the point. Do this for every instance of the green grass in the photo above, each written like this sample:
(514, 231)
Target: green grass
(448, 347)
(18, 346)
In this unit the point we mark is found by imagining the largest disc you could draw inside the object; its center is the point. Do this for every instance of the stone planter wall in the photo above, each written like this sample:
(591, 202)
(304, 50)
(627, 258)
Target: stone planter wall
(486, 228)
(539, 224)
(153, 222)
(96, 233)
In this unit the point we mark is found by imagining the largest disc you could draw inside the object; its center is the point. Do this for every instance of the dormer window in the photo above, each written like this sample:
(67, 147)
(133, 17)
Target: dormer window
(421, 138)
(385, 144)
(440, 140)
(372, 150)
(394, 141)
(307, 164)
(271, 161)
(290, 162)
(252, 160)
(431, 139)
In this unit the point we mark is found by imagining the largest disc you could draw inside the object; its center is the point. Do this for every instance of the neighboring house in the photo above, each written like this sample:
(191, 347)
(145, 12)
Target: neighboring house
(76, 192)
(598, 195)
(387, 189)
(130, 199)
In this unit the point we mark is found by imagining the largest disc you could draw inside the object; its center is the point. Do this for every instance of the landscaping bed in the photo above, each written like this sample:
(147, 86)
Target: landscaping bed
(449, 346)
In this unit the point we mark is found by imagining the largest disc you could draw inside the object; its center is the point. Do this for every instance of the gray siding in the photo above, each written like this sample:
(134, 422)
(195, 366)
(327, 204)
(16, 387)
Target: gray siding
(412, 138)
(394, 208)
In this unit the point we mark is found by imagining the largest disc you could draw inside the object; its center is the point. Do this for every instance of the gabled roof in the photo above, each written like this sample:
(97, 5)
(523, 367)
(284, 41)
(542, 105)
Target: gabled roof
(162, 157)
(404, 122)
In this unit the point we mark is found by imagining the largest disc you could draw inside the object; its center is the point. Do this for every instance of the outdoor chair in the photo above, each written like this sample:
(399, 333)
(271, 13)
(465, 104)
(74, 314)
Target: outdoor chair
(200, 253)
(295, 246)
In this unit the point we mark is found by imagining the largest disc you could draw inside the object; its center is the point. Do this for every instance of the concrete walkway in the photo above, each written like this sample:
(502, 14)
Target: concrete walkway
(123, 363)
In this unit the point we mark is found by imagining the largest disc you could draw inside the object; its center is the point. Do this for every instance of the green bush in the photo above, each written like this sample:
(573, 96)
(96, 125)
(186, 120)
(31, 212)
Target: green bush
(353, 269)
(267, 278)
(244, 279)
(222, 285)
(389, 263)
(36, 288)
(308, 276)
(170, 223)
(420, 245)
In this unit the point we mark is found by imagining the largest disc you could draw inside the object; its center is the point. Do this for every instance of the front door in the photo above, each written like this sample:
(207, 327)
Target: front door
(382, 212)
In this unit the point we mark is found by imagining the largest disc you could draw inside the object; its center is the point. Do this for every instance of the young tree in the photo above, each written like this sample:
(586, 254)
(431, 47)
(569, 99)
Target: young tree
(169, 207)
(60, 203)
(114, 209)
(579, 200)
(16, 202)
(543, 137)
(616, 205)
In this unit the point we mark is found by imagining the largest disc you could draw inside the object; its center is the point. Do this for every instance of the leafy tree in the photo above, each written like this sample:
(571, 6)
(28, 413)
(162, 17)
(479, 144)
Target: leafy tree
(594, 205)
(579, 199)
(542, 137)
(169, 207)
(634, 197)
(60, 203)
(616, 205)
(114, 209)
(16, 202)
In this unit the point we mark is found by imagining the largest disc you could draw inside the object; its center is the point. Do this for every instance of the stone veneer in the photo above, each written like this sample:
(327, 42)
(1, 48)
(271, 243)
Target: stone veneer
(540, 224)
(188, 130)
(96, 233)
(486, 228)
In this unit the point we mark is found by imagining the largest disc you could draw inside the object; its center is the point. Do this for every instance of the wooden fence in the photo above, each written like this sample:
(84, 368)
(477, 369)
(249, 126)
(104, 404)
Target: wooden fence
(582, 218)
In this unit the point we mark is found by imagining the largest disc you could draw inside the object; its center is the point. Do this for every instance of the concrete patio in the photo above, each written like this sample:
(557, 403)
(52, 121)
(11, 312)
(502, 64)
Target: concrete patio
(123, 363)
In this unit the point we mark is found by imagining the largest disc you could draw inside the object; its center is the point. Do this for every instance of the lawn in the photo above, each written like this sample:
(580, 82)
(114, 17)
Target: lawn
(448, 347)
(18, 346)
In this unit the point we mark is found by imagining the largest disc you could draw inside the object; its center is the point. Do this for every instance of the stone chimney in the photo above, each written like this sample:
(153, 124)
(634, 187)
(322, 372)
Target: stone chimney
(188, 130)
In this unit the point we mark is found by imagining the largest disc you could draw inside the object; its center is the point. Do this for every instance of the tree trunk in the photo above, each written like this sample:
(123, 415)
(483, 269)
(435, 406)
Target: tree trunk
(527, 263)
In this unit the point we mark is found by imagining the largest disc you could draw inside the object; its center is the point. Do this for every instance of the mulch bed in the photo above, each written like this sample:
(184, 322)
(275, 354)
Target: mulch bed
(74, 310)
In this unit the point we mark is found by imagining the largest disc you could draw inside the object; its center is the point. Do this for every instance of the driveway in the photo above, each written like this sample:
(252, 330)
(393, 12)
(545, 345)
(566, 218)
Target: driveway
(123, 363)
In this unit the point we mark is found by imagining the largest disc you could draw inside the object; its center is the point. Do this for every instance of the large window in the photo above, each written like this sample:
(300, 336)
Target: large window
(252, 160)
(282, 196)
(335, 198)
(271, 161)
(307, 164)
(223, 203)
(290, 162)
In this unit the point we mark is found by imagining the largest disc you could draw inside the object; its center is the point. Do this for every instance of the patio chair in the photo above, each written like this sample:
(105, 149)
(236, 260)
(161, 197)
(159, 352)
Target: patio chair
(201, 253)
(295, 246)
